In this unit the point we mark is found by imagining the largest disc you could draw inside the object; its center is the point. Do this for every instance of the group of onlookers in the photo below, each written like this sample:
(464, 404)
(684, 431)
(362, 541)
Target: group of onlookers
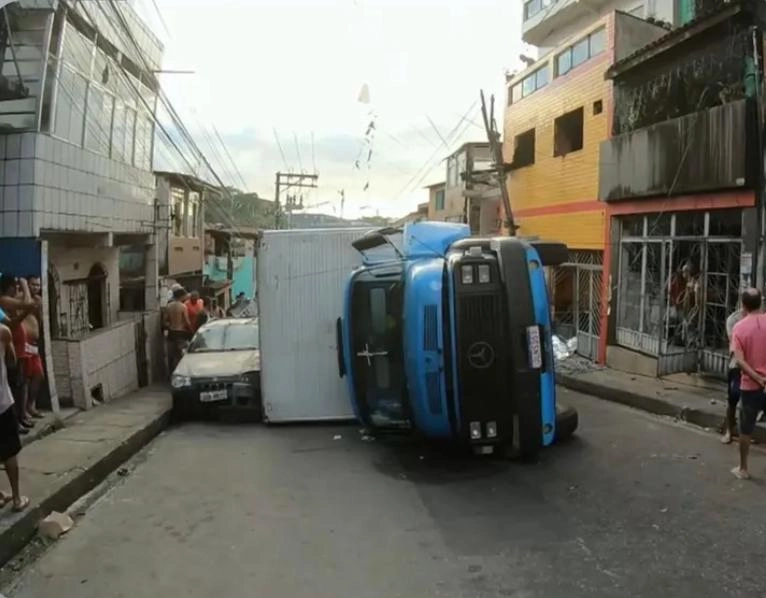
(21, 373)
(184, 315)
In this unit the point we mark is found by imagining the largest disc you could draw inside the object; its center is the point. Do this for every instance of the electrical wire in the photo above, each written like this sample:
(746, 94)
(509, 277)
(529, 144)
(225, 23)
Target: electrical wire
(167, 104)
(233, 163)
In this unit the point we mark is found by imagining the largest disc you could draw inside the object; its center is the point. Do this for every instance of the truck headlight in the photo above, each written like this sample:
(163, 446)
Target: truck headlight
(248, 378)
(491, 429)
(178, 381)
(484, 274)
(466, 274)
(475, 428)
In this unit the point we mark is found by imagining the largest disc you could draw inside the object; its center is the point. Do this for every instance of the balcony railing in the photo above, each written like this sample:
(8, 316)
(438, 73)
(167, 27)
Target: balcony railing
(704, 151)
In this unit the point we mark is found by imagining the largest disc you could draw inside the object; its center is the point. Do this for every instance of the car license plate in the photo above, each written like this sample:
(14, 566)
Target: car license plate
(213, 395)
(534, 349)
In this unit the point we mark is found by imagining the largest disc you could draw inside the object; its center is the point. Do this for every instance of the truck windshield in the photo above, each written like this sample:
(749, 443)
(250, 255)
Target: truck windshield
(237, 336)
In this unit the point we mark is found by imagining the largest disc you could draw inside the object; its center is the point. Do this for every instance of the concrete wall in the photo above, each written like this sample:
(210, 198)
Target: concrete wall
(106, 357)
(589, 13)
(185, 255)
(433, 213)
(74, 263)
(633, 33)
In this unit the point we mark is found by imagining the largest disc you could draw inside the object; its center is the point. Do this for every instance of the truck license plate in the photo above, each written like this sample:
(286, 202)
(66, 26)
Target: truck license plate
(533, 348)
(213, 395)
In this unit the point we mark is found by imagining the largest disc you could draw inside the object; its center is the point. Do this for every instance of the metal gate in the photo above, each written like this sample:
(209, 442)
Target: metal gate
(576, 298)
(696, 304)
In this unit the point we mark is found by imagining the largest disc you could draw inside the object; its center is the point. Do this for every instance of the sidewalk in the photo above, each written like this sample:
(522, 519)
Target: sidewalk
(59, 468)
(701, 406)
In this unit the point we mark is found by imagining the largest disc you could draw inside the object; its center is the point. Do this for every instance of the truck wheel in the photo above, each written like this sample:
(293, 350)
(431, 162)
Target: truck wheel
(566, 423)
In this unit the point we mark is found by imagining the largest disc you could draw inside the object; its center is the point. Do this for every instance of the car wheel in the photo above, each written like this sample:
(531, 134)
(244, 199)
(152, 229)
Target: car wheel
(567, 421)
(181, 411)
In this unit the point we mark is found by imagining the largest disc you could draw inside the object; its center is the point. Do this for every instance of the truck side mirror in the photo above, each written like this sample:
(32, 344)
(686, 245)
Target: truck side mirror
(551, 254)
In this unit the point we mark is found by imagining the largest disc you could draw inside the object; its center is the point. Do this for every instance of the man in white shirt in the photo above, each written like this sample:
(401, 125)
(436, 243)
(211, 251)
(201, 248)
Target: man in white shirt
(10, 444)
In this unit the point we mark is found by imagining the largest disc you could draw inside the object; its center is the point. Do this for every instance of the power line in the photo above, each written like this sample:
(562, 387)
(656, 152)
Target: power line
(313, 154)
(162, 19)
(281, 151)
(166, 103)
(427, 164)
(233, 163)
(298, 151)
(437, 131)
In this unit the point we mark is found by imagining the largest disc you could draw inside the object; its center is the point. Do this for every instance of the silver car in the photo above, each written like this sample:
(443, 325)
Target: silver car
(220, 369)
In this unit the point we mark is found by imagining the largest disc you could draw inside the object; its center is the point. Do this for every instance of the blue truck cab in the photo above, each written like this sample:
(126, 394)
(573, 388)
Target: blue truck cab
(449, 336)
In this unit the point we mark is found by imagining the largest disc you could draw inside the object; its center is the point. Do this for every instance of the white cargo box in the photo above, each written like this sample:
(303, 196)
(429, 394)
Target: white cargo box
(301, 278)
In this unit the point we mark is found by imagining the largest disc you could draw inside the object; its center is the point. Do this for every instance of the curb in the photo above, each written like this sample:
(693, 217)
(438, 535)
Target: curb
(23, 529)
(657, 406)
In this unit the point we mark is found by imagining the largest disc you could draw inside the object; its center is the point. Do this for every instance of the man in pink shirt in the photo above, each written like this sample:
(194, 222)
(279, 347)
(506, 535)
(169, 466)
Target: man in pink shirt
(748, 344)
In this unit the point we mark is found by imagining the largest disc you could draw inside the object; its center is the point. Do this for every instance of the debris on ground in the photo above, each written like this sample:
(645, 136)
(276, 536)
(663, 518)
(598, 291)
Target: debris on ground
(123, 471)
(55, 524)
(368, 438)
(337, 437)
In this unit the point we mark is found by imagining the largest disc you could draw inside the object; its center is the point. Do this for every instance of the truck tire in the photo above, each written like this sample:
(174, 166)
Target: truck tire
(567, 421)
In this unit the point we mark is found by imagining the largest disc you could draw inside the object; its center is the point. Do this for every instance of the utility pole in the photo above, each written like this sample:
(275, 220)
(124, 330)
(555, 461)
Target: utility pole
(501, 168)
(286, 181)
(342, 201)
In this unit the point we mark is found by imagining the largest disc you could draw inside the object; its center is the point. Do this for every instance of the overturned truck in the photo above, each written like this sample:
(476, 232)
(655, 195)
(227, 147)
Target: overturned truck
(450, 336)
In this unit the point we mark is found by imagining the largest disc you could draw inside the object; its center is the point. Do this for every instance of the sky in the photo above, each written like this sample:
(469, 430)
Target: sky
(270, 76)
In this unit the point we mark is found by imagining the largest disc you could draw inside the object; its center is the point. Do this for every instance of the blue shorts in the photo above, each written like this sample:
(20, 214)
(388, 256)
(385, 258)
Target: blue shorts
(752, 402)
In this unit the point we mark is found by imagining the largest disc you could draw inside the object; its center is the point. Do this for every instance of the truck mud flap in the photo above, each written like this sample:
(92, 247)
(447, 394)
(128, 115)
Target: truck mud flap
(525, 380)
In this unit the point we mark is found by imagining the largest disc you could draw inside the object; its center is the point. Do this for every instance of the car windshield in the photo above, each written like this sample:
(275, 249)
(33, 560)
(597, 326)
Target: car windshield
(236, 336)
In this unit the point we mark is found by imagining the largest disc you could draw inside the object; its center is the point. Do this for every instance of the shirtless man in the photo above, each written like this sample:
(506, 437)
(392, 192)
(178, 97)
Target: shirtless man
(34, 373)
(178, 328)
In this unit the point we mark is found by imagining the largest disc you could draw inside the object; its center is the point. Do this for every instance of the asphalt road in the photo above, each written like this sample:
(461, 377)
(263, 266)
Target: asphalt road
(634, 506)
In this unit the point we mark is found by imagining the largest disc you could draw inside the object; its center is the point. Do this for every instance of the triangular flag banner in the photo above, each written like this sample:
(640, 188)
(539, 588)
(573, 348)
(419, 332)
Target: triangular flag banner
(364, 95)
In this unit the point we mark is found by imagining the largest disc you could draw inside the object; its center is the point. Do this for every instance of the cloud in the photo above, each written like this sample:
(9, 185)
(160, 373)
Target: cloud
(259, 68)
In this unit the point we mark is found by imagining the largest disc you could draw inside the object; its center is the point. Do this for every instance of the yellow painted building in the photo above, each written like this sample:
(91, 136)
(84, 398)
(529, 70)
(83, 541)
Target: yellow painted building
(556, 118)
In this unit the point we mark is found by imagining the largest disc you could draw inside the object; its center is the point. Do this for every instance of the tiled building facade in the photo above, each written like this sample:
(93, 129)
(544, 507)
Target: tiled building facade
(77, 184)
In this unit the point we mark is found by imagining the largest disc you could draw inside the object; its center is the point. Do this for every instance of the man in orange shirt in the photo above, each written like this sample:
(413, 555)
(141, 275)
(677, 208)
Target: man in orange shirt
(194, 305)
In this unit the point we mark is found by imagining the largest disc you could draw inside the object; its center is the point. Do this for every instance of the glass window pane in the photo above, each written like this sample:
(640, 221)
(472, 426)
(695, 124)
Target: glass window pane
(516, 93)
(658, 225)
(580, 52)
(77, 50)
(725, 223)
(209, 339)
(242, 337)
(378, 312)
(118, 131)
(542, 77)
(98, 120)
(597, 42)
(69, 107)
(528, 85)
(690, 224)
(564, 62)
(130, 124)
(633, 226)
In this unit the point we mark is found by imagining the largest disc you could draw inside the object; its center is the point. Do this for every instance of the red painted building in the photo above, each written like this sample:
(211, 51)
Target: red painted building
(679, 179)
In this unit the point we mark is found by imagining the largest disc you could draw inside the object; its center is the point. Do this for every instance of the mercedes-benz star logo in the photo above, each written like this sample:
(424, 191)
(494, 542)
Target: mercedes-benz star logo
(481, 355)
